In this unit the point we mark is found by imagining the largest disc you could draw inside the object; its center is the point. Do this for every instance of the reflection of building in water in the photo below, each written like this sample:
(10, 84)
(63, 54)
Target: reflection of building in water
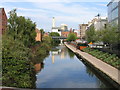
(53, 58)
(38, 67)
(62, 54)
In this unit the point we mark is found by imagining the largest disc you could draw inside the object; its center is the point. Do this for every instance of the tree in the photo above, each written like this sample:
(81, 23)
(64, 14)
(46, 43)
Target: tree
(55, 42)
(90, 34)
(54, 34)
(71, 37)
(17, 70)
(21, 28)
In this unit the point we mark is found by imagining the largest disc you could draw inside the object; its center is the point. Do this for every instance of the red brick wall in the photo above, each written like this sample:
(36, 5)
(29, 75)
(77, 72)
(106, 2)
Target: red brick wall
(38, 35)
(3, 21)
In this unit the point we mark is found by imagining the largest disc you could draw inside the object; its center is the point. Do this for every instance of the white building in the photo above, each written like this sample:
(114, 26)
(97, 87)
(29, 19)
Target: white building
(64, 27)
(56, 29)
(98, 23)
(101, 23)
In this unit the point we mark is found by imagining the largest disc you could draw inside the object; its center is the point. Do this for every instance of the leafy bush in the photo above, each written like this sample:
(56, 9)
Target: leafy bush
(18, 71)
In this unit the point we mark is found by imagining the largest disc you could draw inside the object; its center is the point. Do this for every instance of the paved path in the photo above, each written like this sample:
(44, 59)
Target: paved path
(112, 72)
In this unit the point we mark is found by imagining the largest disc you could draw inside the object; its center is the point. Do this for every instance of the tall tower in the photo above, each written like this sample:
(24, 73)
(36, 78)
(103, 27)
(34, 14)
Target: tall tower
(53, 22)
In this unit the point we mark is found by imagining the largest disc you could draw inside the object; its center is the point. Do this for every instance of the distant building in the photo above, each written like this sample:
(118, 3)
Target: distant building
(82, 28)
(64, 27)
(38, 35)
(65, 33)
(98, 23)
(114, 12)
(46, 34)
(3, 21)
(54, 28)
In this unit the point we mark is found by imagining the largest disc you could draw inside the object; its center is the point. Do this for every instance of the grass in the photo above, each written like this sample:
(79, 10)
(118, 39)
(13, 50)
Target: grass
(111, 59)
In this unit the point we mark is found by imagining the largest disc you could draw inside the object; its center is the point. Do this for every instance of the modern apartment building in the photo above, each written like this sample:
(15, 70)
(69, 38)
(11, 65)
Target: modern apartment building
(114, 12)
(3, 21)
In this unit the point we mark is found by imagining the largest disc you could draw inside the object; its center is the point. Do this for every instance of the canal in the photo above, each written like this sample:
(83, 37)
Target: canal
(63, 69)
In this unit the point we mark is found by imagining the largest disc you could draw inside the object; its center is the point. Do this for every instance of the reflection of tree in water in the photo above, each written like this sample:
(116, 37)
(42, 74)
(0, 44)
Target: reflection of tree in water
(90, 73)
(70, 53)
(101, 82)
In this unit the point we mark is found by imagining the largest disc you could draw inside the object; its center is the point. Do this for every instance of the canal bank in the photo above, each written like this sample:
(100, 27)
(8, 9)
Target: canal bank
(111, 72)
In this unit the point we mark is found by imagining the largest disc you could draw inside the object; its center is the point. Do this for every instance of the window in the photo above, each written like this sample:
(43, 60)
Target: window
(115, 14)
(114, 4)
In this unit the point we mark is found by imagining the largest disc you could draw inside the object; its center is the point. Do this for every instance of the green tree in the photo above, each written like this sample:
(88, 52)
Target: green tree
(90, 34)
(21, 28)
(54, 34)
(110, 35)
(17, 70)
(55, 42)
(71, 37)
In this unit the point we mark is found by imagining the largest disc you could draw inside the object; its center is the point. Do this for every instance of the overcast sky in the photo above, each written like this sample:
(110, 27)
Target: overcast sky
(70, 12)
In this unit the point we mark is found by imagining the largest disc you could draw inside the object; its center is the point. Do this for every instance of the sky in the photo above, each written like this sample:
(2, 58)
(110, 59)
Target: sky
(70, 12)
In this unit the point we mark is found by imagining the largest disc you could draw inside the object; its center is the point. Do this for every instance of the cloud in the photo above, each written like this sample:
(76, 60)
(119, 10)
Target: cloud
(102, 5)
(56, 0)
(68, 13)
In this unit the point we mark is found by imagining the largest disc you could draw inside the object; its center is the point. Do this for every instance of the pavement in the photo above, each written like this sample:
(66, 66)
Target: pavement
(109, 70)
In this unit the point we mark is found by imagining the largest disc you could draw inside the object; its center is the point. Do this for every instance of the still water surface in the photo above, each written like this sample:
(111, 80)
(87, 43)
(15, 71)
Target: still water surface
(62, 69)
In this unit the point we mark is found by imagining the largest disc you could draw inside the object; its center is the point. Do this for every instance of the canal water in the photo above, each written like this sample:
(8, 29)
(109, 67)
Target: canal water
(62, 69)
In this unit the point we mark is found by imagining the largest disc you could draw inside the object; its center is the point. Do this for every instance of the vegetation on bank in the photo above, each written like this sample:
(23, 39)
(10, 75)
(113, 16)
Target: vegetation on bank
(71, 37)
(55, 42)
(110, 36)
(20, 52)
(111, 59)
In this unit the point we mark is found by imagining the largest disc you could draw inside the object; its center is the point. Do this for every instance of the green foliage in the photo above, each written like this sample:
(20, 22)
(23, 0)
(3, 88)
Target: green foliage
(42, 31)
(90, 34)
(55, 42)
(21, 28)
(17, 71)
(111, 59)
(110, 35)
(71, 37)
(47, 39)
(54, 34)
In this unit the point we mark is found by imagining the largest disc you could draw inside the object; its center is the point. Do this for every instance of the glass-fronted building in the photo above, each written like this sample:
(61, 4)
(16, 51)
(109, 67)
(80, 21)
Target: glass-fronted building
(114, 12)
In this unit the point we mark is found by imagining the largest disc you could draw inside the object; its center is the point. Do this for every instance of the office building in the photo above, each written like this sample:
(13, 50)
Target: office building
(114, 12)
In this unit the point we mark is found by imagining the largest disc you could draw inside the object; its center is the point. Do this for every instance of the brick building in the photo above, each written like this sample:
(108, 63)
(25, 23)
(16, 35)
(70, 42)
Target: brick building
(3, 21)
(38, 35)
(66, 33)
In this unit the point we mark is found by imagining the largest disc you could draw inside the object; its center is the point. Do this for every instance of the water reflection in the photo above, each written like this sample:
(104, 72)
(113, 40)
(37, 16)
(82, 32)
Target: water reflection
(61, 52)
(62, 69)
(100, 81)
(39, 67)
(58, 51)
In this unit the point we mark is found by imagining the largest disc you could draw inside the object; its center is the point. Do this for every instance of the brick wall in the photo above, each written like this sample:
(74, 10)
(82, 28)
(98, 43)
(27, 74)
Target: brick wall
(3, 21)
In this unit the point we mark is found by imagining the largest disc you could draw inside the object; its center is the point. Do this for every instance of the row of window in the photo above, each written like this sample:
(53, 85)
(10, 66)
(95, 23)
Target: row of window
(112, 6)
(113, 15)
